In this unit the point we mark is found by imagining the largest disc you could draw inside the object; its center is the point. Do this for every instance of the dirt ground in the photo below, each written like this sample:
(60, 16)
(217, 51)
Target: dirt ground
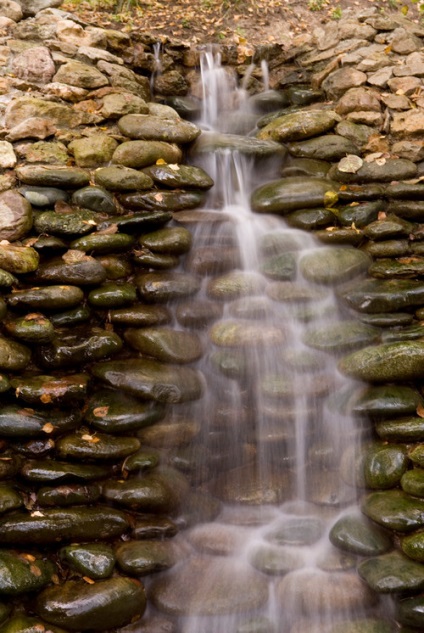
(227, 21)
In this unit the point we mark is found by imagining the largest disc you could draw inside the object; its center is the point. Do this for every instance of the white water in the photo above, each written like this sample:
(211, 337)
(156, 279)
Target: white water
(283, 431)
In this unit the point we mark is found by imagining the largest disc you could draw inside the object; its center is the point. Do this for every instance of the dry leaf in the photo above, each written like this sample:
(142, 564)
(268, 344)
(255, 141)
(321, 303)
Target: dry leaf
(330, 198)
(48, 428)
(381, 215)
(174, 167)
(37, 513)
(73, 256)
(100, 412)
(45, 399)
(158, 197)
(350, 164)
(36, 571)
(88, 580)
(420, 410)
(161, 161)
(90, 438)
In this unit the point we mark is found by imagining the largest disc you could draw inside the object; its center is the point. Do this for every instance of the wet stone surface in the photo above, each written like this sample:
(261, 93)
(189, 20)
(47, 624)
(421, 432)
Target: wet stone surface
(140, 345)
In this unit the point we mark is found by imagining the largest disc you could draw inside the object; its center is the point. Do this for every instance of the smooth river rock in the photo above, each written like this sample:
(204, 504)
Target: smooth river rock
(390, 362)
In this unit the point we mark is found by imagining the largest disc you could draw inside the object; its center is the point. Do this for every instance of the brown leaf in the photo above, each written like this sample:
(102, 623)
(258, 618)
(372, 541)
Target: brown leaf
(36, 571)
(420, 410)
(45, 399)
(100, 412)
(48, 427)
(88, 580)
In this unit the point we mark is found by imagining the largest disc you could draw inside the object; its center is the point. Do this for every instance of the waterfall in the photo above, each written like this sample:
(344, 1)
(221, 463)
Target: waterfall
(272, 437)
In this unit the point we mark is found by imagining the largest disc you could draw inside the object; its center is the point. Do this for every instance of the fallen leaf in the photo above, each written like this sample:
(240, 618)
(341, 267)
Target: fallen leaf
(381, 215)
(88, 580)
(48, 428)
(350, 164)
(420, 410)
(36, 571)
(100, 412)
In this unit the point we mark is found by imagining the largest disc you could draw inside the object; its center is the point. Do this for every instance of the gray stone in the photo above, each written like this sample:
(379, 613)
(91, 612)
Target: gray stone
(10, 9)
(32, 7)
(341, 80)
(34, 65)
(122, 77)
(299, 125)
(80, 75)
(118, 104)
(15, 216)
(93, 151)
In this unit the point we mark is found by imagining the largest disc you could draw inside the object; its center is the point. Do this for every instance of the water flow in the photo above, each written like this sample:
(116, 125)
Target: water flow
(273, 442)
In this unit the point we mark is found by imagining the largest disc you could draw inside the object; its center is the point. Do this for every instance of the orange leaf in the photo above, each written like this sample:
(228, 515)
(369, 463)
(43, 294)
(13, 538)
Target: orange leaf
(420, 410)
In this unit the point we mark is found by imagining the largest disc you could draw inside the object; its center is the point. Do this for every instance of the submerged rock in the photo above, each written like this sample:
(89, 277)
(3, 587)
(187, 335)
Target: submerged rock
(290, 194)
(390, 362)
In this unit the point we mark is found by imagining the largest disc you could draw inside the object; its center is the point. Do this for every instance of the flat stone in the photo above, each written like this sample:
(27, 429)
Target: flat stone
(15, 216)
(34, 65)
(152, 380)
(165, 344)
(209, 586)
(358, 100)
(290, 194)
(138, 154)
(80, 75)
(394, 510)
(329, 147)
(356, 534)
(113, 602)
(318, 592)
(390, 362)
(392, 573)
(374, 295)
(299, 125)
(120, 178)
(53, 176)
(21, 109)
(121, 77)
(154, 128)
(93, 151)
(408, 123)
(140, 558)
(118, 104)
(333, 265)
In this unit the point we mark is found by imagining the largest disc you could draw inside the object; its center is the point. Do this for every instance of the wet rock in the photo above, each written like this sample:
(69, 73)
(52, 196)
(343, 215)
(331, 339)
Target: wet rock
(360, 215)
(247, 335)
(409, 612)
(74, 267)
(75, 349)
(340, 337)
(162, 287)
(102, 244)
(114, 412)
(314, 592)
(235, 284)
(141, 315)
(211, 586)
(392, 573)
(112, 295)
(54, 471)
(329, 147)
(333, 265)
(79, 606)
(412, 482)
(96, 150)
(13, 356)
(290, 194)
(274, 561)
(245, 485)
(374, 296)
(21, 575)
(246, 145)
(376, 171)
(406, 429)
(138, 154)
(68, 524)
(10, 499)
(68, 495)
(299, 125)
(169, 240)
(100, 446)
(161, 491)
(33, 328)
(140, 461)
(95, 560)
(151, 380)
(58, 176)
(198, 314)
(15, 216)
(175, 200)
(395, 510)
(405, 267)
(170, 433)
(180, 176)
(140, 558)
(42, 196)
(155, 128)
(171, 83)
(165, 344)
(120, 178)
(69, 223)
(49, 298)
(18, 259)
(390, 362)
(356, 534)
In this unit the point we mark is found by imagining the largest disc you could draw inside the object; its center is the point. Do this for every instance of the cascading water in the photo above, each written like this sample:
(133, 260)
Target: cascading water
(271, 439)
